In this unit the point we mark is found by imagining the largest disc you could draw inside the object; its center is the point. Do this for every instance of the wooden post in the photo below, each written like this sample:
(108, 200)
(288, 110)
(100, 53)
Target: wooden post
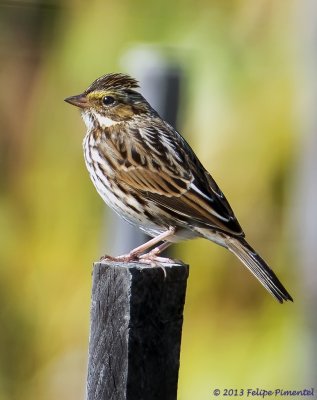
(135, 331)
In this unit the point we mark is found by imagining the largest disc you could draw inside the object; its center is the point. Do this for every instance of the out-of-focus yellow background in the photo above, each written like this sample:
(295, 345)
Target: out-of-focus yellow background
(243, 111)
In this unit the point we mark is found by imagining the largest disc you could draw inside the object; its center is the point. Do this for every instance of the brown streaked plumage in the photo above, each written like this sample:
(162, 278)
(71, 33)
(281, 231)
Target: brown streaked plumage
(148, 174)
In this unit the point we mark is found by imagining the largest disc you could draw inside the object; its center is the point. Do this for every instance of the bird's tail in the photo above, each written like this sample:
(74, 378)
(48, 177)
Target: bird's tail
(258, 267)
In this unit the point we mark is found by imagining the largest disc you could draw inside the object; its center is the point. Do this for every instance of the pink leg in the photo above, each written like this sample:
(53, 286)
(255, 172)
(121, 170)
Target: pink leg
(135, 253)
(152, 255)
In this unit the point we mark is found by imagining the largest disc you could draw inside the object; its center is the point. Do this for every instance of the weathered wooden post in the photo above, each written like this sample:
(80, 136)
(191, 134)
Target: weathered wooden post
(135, 332)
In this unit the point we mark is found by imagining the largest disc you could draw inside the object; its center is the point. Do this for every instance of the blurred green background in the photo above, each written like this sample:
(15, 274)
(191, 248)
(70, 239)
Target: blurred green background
(240, 112)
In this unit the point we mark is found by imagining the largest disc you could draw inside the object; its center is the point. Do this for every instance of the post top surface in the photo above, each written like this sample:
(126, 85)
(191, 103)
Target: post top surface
(140, 266)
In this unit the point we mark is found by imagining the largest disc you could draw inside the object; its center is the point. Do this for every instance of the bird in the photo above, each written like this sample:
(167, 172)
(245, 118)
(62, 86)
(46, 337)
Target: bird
(149, 175)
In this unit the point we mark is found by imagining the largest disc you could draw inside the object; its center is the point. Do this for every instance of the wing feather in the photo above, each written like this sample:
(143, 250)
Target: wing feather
(175, 179)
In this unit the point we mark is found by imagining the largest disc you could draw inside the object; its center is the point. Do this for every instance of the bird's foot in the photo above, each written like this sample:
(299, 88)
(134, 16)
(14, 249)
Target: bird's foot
(124, 258)
(150, 259)
(147, 258)
(155, 261)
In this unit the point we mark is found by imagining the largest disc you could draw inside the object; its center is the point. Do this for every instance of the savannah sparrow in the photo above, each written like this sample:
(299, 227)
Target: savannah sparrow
(149, 175)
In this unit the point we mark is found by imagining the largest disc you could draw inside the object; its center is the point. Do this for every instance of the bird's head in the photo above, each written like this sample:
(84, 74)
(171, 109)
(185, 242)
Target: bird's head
(110, 99)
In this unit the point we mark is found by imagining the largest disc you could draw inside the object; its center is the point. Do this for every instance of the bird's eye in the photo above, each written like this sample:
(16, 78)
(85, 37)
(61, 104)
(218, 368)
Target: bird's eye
(108, 100)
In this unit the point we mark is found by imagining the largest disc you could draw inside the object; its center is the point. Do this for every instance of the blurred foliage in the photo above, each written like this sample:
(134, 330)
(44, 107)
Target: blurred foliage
(236, 113)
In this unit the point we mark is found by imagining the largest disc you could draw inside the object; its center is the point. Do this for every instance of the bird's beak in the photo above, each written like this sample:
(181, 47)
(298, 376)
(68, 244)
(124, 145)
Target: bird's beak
(78, 101)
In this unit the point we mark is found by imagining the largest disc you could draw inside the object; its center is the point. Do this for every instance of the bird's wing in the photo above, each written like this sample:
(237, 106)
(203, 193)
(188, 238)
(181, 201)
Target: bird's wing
(160, 164)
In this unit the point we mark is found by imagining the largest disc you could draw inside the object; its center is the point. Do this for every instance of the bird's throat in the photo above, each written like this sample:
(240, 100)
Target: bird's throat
(92, 119)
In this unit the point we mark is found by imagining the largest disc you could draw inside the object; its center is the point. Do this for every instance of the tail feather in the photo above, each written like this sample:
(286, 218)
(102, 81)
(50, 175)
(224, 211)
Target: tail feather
(258, 267)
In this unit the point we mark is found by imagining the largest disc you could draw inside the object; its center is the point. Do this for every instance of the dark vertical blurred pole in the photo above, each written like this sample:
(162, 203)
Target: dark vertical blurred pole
(305, 198)
(26, 31)
(160, 82)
